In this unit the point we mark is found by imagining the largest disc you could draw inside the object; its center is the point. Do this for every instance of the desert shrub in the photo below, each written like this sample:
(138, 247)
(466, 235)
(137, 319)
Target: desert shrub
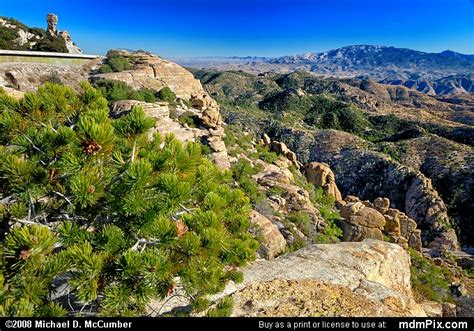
(114, 90)
(429, 280)
(118, 63)
(242, 172)
(91, 202)
(165, 94)
(263, 153)
(302, 220)
(222, 309)
(105, 68)
(190, 119)
(57, 44)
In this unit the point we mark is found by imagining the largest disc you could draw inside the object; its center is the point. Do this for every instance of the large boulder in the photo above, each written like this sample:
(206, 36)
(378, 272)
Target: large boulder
(361, 222)
(321, 175)
(369, 278)
(272, 241)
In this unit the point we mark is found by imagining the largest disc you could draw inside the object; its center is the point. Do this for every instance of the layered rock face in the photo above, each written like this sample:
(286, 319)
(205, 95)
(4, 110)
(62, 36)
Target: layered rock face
(151, 71)
(370, 278)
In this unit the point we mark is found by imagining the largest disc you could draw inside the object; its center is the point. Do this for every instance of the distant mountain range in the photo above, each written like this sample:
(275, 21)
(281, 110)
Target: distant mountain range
(442, 73)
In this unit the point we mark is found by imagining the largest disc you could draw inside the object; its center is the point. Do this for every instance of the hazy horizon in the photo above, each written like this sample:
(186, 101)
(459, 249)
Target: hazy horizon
(265, 28)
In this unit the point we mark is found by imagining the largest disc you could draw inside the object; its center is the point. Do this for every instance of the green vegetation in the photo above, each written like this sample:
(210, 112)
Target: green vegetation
(326, 206)
(165, 94)
(242, 172)
(470, 272)
(92, 202)
(263, 153)
(9, 35)
(116, 63)
(222, 309)
(236, 141)
(190, 119)
(115, 90)
(429, 280)
(327, 113)
(57, 44)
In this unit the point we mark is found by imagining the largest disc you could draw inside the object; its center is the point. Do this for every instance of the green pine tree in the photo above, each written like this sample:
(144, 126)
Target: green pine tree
(91, 202)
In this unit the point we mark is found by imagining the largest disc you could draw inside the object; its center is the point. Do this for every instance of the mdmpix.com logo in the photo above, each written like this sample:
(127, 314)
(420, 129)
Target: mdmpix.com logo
(433, 324)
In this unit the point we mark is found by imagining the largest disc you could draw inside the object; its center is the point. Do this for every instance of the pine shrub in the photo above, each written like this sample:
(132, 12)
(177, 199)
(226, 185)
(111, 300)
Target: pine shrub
(90, 202)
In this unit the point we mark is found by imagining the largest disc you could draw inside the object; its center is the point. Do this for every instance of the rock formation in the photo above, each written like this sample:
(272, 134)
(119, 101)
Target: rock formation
(281, 149)
(70, 45)
(320, 175)
(151, 71)
(272, 241)
(369, 278)
(52, 26)
(361, 222)
(363, 219)
(377, 175)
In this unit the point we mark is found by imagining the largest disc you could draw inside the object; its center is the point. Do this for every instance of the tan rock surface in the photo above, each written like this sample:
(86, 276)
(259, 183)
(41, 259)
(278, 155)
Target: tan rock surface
(321, 175)
(369, 278)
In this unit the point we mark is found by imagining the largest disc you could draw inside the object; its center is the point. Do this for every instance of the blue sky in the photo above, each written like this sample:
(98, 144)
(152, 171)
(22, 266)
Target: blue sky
(188, 28)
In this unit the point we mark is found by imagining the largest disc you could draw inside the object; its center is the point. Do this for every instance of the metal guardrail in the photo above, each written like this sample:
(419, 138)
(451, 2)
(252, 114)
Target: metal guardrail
(47, 54)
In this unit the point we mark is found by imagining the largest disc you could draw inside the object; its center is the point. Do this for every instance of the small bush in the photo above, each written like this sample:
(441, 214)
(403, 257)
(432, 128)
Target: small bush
(242, 172)
(223, 308)
(429, 280)
(104, 69)
(114, 90)
(118, 63)
(263, 153)
(165, 94)
(51, 45)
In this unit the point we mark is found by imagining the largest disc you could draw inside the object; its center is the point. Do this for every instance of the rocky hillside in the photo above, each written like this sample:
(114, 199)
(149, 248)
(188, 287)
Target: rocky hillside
(183, 213)
(367, 133)
(445, 73)
(15, 35)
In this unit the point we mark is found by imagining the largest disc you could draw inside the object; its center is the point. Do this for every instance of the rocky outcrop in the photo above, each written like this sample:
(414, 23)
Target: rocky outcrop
(28, 38)
(361, 222)
(52, 26)
(281, 149)
(370, 278)
(164, 124)
(320, 175)
(377, 175)
(363, 219)
(70, 45)
(272, 241)
(364, 279)
(153, 72)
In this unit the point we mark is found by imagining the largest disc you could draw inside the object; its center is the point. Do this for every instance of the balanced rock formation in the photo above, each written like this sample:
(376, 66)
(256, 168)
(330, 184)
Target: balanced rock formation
(321, 175)
(369, 278)
(52, 26)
